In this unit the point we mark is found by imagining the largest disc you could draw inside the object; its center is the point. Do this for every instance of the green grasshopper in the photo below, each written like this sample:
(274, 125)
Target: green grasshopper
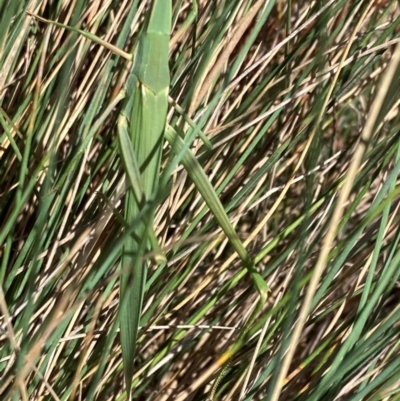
(141, 133)
(142, 127)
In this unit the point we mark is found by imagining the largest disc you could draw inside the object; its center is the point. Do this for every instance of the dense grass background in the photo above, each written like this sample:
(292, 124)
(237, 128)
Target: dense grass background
(300, 101)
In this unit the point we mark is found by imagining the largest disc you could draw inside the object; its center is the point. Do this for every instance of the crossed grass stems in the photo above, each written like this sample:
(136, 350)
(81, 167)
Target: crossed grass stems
(386, 147)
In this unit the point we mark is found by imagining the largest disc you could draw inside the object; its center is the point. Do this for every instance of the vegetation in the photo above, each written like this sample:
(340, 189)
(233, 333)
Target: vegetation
(199, 200)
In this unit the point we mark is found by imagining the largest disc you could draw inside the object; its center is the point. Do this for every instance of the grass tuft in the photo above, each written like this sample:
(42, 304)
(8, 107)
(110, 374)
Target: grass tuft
(249, 250)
